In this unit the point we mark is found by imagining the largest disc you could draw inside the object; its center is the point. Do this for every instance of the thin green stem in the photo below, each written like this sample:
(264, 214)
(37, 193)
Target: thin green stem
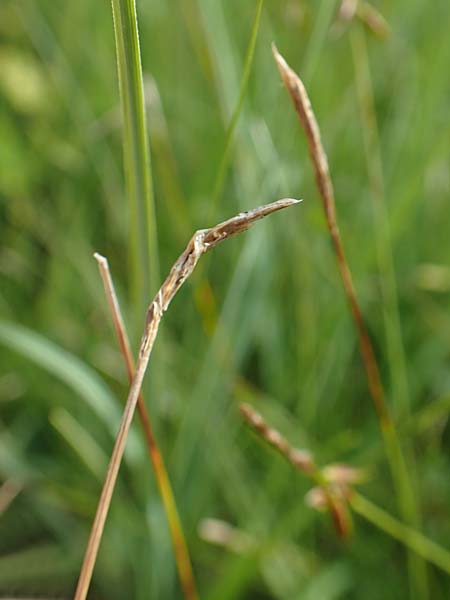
(383, 242)
(412, 539)
(404, 466)
(138, 179)
(303, 461)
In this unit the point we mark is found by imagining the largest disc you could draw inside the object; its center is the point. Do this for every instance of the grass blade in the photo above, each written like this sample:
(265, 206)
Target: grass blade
(393, 331)
(81, 442)
(409, 537)
(65, 366)
(143, 231)
(319, 160)
(221, 173)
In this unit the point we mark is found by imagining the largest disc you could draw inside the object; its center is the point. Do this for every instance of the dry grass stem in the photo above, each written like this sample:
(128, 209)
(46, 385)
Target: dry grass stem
(399, 468)
(201, 242)
(300, 459)
(330, 494)
(179, 543)
(304, 110)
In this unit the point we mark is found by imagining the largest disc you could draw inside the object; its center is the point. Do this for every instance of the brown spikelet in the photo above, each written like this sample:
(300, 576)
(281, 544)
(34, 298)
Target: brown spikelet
(327, 497)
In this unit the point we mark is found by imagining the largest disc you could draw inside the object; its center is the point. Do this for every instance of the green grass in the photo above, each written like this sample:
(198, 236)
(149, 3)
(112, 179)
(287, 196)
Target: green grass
(282, 337)
(143, 243)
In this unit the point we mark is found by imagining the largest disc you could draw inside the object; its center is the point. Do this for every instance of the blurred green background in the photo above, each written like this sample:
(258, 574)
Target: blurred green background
(265, 321)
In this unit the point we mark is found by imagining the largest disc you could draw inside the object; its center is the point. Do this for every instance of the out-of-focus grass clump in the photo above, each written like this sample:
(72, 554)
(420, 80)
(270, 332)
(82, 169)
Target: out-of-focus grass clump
(264, 321)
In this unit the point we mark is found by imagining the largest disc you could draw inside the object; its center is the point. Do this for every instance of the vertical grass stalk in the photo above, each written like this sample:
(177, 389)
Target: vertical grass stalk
(407, 490)
(396, 353)
(415, 541)
(144, 265)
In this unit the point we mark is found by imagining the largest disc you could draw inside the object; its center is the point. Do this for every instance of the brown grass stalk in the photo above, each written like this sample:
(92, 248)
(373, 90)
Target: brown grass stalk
(307, 118)
(400, 474)
(202, 241)
(181, 552)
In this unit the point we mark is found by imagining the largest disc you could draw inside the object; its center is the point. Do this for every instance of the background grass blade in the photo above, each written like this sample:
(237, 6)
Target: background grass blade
(65, 366)
(407, 485)
(143, 231)
(411, 538)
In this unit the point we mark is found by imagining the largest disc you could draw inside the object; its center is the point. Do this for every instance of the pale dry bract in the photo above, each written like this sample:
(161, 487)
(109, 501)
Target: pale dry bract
(201, 242)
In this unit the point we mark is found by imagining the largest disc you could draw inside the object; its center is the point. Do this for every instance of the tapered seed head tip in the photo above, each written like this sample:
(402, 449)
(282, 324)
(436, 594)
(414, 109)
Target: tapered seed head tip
(101, 260)
(282, 64)
(244, 408)
(290, 201)
(280, 204)
(286, 202)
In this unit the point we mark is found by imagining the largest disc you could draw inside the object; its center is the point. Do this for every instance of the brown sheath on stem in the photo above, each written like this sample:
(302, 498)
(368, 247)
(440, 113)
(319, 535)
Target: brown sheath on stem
(201, 242)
